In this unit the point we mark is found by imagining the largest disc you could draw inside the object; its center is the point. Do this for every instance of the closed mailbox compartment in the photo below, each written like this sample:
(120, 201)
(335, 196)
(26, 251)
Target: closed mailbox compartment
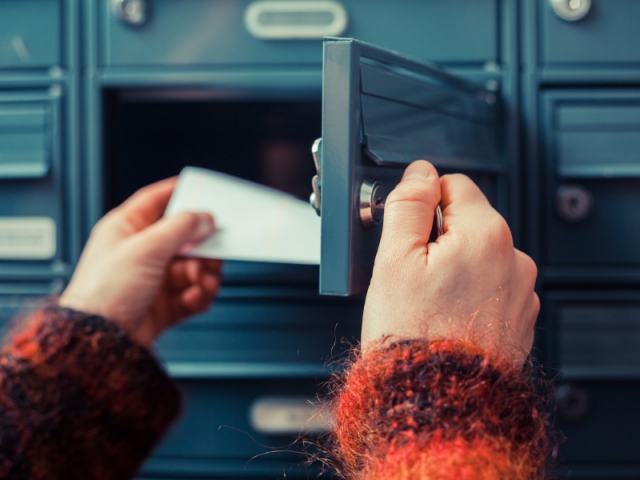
(248, 428)
(594, 177)
(598, 390)
(212, 32)
(31, 178)
(606, 34)
(270, 331)
(30, 33)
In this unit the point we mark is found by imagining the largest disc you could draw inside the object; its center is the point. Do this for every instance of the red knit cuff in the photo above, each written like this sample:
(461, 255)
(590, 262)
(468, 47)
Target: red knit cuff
(79, 399)
(439, 410)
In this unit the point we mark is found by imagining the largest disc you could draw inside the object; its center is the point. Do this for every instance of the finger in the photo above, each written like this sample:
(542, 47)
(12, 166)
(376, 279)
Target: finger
(182, 273)
(210, 283)
(410, 207)
(527, 270)
(192, 270)
(458, 189)
(194, 300)
(213, 265)
(465, 206)
(164, 239)
(148, 204)
(535, 310)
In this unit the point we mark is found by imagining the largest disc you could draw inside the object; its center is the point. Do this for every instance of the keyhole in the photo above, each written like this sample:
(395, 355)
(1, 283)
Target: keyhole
(574, 205)
(575, 4)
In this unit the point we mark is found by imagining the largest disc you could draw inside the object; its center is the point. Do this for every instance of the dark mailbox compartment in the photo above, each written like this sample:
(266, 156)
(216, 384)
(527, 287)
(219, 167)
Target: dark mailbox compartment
(381, 111)
(606, 35)
(594, 177)
(214, 32)
(261, 132)
(32, 223)
(598, 388)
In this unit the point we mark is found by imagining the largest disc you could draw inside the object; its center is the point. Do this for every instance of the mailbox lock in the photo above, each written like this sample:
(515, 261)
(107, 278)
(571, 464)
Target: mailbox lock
(371, 202)
(572, 403)
(571, 10)
(132, 12)
(574, 203)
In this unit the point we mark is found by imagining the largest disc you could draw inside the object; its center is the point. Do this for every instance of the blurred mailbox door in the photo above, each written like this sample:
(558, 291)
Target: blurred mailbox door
(380, 112)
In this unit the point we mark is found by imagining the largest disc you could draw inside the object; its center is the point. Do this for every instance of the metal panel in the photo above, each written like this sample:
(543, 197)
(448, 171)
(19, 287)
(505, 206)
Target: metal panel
(607, 35)
(368, 121)
(593, 145)
(593, 332)
(30, 33)
(595, 364)
(25, 140)
(598, 139)
(608, 431)
(599, 340)
(31, 187)
(216, 422)
(202, 32)
(266, 331)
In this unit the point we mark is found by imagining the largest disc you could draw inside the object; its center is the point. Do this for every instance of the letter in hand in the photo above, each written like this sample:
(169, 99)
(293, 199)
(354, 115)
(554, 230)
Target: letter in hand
(469, 285)
(130, 271)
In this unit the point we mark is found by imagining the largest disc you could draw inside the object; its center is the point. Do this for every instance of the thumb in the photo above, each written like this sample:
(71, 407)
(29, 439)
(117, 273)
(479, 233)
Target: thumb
(164, 239)
(410, 207)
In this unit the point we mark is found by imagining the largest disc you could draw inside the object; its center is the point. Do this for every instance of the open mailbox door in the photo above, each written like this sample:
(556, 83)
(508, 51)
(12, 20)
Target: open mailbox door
(380, 112)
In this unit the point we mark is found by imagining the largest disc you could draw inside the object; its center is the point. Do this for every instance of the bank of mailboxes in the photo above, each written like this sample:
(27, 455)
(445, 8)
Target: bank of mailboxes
(537, 101)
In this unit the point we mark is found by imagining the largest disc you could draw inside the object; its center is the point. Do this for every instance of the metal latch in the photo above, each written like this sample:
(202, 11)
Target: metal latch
(316, 182)
(571, 10)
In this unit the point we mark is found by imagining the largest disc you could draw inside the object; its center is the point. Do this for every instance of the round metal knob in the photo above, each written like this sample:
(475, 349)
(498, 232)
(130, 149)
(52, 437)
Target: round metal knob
(574, 203)
(571, 10)
(371, 202)
(572, 403)
(132, 12)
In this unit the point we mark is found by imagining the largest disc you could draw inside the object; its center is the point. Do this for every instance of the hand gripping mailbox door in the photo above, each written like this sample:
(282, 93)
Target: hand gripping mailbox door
(380, 112)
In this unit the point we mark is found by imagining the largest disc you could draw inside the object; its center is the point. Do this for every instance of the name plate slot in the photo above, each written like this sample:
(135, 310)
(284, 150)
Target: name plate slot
(27, 238)
(288, 416)
(287, 20)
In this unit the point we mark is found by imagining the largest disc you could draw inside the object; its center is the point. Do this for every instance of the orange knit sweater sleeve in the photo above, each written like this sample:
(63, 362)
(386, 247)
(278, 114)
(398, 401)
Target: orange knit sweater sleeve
(79, 399)
(417, 410)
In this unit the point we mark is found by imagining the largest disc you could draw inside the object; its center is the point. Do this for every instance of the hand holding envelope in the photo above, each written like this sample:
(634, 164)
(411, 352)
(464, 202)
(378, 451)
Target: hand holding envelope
(254, 222)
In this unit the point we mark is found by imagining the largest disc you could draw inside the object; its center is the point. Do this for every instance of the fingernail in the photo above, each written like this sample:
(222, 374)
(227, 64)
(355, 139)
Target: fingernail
(205, 225)
(416, 176)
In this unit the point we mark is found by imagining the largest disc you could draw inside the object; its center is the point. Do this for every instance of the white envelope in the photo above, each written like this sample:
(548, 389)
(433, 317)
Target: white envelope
(254, 222)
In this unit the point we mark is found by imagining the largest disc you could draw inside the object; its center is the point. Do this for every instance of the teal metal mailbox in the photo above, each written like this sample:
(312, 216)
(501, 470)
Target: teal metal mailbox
(539, 106)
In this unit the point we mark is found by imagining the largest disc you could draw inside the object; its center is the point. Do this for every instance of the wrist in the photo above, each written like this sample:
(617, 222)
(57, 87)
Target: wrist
(141, 332)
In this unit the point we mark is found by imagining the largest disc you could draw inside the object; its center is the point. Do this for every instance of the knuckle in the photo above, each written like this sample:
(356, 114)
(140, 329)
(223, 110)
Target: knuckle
(527, 269)
(499, 232)
(530, 267)
(536, 305)
(105, 223)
